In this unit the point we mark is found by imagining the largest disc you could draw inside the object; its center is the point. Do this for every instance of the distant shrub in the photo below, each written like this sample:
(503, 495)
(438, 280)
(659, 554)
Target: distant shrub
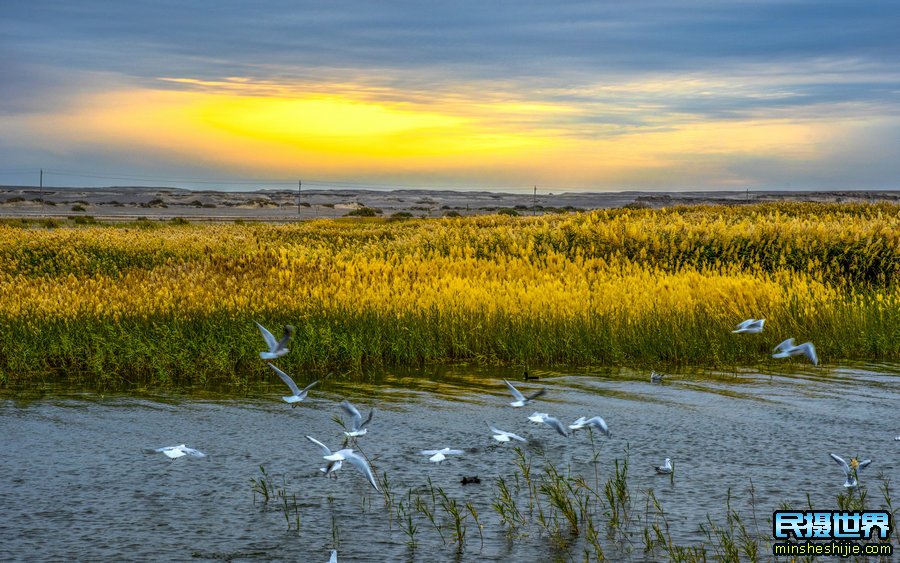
(178, 221)
(145, 223)
(78, 207)
(304, 204)
(452, 214)
(49, 223)
(364, 212)
(209, 205)
(83, 219)
(15, 199)
(20, 222)
(401, 215)
(508, 211)
(156, 202)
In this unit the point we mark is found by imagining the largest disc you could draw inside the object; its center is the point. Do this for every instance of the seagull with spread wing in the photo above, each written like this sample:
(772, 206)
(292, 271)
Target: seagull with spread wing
(339, 457)
(298, 394)
(520, 399)
(276, 348)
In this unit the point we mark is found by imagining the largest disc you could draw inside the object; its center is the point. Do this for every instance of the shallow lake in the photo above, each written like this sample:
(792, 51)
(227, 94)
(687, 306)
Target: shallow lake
(75, 482)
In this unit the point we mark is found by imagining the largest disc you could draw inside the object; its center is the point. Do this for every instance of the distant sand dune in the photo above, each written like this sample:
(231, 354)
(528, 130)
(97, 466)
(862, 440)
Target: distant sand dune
(164, 203)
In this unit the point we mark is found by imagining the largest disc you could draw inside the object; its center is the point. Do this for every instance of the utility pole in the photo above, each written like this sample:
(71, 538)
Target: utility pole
(534, 203)
(41, 185)
(299, 186)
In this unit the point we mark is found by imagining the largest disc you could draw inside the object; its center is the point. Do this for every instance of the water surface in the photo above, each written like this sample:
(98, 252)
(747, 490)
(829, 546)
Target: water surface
(75, 483)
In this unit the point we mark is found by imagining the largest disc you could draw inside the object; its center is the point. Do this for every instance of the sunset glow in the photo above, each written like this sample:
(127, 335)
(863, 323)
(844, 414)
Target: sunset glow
(277, 135)
(644, 104)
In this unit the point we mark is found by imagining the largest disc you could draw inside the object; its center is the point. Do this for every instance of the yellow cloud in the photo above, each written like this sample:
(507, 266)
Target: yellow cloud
(234, 125)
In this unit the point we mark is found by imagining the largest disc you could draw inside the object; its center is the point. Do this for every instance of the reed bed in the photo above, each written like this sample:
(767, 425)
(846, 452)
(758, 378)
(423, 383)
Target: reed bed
(174, 303)
(546, 509)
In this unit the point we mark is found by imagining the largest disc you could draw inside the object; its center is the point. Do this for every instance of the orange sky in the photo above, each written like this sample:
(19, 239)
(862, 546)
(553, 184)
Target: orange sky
(648, 95)
(279, 133)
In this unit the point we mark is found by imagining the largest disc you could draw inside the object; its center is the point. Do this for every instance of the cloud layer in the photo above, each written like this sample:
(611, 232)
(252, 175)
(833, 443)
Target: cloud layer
(598, 95)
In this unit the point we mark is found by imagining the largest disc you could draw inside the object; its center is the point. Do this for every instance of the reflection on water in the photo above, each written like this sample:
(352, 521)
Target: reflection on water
(74, 483)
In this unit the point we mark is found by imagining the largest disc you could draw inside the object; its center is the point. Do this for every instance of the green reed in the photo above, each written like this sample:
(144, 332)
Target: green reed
(851, 251)
(538, 502)
(268, 490)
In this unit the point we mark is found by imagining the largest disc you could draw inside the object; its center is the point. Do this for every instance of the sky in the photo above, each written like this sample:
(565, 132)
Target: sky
(596, 95)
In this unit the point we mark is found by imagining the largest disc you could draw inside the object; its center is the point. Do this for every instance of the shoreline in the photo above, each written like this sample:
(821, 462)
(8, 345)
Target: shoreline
(134, 202)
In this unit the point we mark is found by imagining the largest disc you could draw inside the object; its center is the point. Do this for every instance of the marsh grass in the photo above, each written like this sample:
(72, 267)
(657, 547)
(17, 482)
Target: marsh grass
(175, 304)
(542, 505)
(268, 490)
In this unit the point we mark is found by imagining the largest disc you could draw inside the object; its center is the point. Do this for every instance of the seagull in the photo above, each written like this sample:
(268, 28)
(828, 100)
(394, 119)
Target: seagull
(665, 469)
(174, 452)
(276, 349)
(334, 465)
(750, 326)
(787, 348)
(357, 426)
(595, 422)
(438, 456)
(556, 424)
(337, 458)
(656, 377)
(538, 417)
(520, 399)
(299, 394)
(333, 556)
(850, 469)
(504, 436)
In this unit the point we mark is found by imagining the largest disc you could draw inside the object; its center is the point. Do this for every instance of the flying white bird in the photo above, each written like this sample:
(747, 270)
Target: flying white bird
(438, 456)
(337, 458)
(298, 394)
(750, 326)
(850, 469)
(787, 349)
(595, 422)
(538, 417)
(520, 399)
(333, 466)
(556, 425)
(357, 425)
(664, 469)
(276, 348)
(333, 556)
(174, 452)
(504, 436)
